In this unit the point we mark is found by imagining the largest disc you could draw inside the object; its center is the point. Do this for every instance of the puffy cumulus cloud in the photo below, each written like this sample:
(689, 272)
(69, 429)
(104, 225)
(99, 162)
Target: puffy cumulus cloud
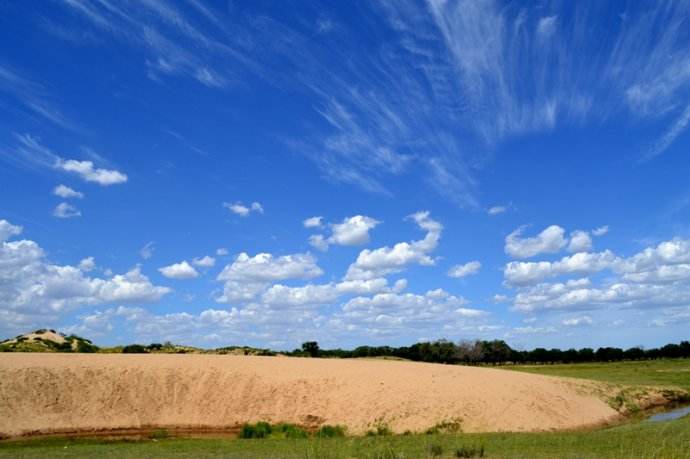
(577, 321)
(551, 240)
(33, 290)
(206, 261)
(386, 260)
(580, 241)
(312, 222)
(247, 276)
(89, 172)
(324, 294)
(181, 270)
(464, 270)
(87, 264)
(240, 209)
(523, 273)
(656, 277)
(7, 230)
(66, 192)
(351, 231)
(396, 311)
(66, 210)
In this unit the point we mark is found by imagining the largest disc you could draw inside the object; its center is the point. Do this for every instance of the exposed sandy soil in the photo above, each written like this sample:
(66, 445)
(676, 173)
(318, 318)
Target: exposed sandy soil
(67, 392)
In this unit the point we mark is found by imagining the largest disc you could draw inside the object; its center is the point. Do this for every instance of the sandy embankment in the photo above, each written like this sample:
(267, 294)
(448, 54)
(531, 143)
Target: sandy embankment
(63, 392)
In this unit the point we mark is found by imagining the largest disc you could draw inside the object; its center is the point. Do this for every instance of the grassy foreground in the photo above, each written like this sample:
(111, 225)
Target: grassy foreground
(643, 440)
(665, 372)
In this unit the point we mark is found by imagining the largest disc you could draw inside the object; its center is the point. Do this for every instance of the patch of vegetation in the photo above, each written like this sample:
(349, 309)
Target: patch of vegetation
(380, 430)
(662, 440)
(259, 430)
(134, 349)
(159, 434)
(290, 431)
(329, 431)
(447, 427)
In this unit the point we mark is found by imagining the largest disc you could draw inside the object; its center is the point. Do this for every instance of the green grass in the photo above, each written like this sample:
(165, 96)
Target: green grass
(668, 372)
(643, 440)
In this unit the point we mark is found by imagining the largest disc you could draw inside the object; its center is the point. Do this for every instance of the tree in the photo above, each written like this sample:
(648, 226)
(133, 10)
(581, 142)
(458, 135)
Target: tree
(311, 348)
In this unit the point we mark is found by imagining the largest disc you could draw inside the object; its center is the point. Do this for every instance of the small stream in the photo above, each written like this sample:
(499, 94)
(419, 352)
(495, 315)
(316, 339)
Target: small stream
(670, 415)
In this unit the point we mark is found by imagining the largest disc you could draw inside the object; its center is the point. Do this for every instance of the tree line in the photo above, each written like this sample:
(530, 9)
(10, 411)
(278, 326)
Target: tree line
(495, 352)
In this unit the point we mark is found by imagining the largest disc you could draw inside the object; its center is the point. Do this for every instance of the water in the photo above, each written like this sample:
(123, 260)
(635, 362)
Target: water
(670, 415)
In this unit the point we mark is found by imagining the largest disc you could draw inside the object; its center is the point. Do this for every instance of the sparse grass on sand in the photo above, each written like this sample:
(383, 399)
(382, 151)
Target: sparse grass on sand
(640, 440)
(664, 372)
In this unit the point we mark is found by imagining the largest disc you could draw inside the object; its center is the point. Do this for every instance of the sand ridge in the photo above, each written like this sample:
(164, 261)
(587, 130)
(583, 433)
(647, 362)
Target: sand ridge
(68, 392)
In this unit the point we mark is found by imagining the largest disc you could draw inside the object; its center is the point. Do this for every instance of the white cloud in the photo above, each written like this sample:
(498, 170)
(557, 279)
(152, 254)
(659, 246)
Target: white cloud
(247, 276)
(318, 241)
(205, 261)
(395, 311)
(466, 269)
(35, 290)
(351, 231)
(496, 210)
(522, 273)
(66, 210)
(7, 230)
(580, 241)
(221, 252)
(240, 209)
(87, 264)
(87, 171)
(551, 240)
(181, 270)
(600, 231)
(312, 222)
(386, 260)
(577, 321)
(146, 252)
(66, 192)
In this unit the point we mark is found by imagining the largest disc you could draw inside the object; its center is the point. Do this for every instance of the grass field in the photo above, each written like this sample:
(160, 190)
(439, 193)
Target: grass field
(634, 440)
(672, 373)
(643, 440)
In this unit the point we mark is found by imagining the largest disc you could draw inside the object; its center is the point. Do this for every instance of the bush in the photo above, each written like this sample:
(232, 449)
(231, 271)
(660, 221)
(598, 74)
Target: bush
(328, 431)
(259, 430)
(469, 451)
(291, 431)
(159, 434)
(452, 426)
(83, 346)
(381, 430)
(435, 450)
(134, 349)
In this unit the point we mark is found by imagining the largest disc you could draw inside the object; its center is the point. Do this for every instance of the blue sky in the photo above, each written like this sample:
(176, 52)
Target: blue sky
(380, 172)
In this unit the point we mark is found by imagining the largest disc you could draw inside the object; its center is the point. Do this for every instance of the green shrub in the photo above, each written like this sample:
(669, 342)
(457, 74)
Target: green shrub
(452, 426)
(330, 431)
(291, 431)
(159, 434)
(435, 450)
(259, 430)
(134, 349)
(469, 451)
(83, 346)
(382, 430)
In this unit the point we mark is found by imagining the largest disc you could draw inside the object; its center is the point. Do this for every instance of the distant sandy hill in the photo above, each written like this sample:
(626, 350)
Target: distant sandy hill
(80, 392)
(45, 340)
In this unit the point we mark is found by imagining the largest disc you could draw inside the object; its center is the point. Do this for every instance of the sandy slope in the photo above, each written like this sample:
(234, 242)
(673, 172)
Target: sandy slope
(43, 392)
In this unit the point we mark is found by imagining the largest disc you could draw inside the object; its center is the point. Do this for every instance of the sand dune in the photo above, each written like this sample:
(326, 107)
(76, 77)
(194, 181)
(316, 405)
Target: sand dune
(48, 392)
